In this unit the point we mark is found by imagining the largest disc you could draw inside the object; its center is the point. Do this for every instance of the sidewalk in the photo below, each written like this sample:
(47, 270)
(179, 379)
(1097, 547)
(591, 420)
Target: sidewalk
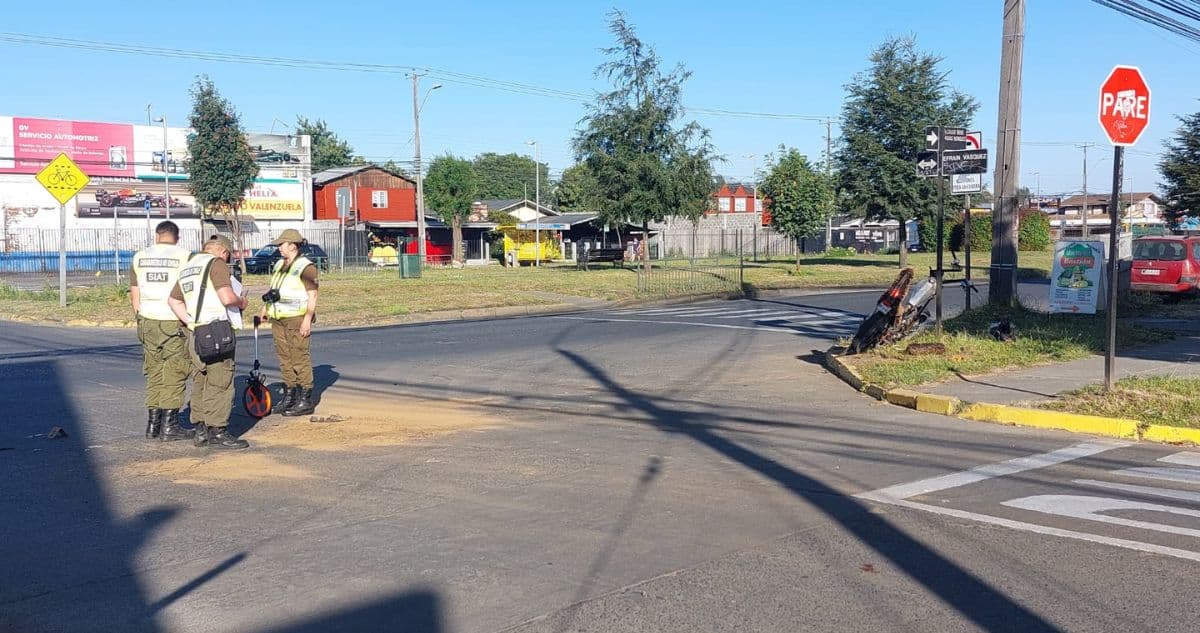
(1180, 357)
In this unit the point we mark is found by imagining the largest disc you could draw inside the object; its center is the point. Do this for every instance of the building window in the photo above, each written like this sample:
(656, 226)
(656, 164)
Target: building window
(723, 204)
(739, 205)
(379, 199)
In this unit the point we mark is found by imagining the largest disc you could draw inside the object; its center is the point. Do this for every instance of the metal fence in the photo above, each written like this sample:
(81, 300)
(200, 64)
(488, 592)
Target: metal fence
(717, 268)
(757, 243)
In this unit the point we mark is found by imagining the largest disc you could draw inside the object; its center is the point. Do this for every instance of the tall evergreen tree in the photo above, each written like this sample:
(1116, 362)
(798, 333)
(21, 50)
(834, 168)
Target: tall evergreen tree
(1180, 169)
(883, 129)
(645, 162)
(220, 163)
(450, 188)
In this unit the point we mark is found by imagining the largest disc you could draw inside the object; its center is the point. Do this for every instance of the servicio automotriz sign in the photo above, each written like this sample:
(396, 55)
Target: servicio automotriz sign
(1077, 279)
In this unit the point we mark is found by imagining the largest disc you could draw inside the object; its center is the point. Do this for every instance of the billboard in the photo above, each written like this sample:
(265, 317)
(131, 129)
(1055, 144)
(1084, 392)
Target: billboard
(100, 149)
(134, 198)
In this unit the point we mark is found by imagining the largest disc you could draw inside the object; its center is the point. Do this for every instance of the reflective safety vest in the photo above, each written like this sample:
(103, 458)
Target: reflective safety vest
(293, 298)
(156, 269)
(189, 282)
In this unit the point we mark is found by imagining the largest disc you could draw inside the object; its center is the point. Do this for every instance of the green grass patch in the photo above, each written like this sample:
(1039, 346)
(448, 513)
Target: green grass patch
(970, 350)
(1165, 400)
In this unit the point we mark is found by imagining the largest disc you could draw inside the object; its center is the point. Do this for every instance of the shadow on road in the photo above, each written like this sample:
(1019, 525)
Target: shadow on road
(969, 595)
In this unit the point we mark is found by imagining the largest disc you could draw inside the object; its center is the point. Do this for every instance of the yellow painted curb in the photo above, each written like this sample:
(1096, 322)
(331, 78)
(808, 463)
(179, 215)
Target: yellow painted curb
(942, 405)
(843, 371)
(1111, 427)
(1171, 434)
(903, 398)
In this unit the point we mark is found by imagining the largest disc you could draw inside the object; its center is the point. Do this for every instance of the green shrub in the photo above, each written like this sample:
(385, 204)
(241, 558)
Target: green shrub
(1033, 231)
(981, 234)
(841, 251)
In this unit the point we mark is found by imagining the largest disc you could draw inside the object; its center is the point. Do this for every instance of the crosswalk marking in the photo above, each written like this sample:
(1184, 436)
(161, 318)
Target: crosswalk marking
(1185, 458)
(1183, 475)
(1170, 493)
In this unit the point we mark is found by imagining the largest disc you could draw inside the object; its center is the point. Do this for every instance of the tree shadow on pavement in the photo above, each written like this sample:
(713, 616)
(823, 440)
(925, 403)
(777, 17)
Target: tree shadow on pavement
(972, 597)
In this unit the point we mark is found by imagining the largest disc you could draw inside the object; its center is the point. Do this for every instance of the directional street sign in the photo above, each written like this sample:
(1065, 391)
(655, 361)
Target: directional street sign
(966, 183)
(966, 161)
(927, 164)
(945, 138)
(1124, 105)
(974, 140)
(62, 178)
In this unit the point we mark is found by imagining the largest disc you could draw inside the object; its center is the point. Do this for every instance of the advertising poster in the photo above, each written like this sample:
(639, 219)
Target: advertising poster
(134, 198)
(1076, 280)
(274, 201)
(100, 149)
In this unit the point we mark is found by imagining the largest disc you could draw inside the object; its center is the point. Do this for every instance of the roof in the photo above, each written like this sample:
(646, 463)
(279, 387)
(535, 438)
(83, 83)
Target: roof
(336, 173)
(505, 204)
(732, 186)
(430, 223)
(1101, 199)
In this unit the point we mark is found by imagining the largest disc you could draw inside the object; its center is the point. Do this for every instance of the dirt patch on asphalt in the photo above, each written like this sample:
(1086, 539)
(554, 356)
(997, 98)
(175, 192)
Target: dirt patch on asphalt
(365, 421)
(222, 467)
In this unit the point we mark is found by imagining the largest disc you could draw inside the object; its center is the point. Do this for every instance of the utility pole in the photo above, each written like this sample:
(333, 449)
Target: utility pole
(1003, 273)
(1086, 207)
(829, 174)
(416, 78)
(165, 168)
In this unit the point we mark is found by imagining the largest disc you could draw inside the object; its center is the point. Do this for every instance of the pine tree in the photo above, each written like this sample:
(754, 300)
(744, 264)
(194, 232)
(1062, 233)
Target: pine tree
(1180, 169)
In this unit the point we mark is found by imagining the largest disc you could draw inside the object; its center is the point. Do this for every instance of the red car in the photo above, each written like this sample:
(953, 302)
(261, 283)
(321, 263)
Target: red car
(1167, 264)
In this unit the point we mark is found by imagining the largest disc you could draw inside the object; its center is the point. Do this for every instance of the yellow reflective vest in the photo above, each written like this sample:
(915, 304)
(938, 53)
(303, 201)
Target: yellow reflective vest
(293, 298)
(190, 277)
(157, 269)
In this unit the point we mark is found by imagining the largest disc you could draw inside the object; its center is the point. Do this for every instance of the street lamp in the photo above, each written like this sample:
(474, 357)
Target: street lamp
(416, 78)
(537, 202)
(165, 166)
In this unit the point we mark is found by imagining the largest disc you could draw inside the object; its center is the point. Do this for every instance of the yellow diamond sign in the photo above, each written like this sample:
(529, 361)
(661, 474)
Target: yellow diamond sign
(62, 178)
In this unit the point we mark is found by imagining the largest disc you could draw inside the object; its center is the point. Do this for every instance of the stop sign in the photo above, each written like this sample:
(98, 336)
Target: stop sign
(1124, 105)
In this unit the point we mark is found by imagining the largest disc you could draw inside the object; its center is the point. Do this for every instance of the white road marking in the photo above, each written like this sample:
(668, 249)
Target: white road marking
(757, 328)
(1184, 475)
(1170, 493)
(1080, 507)
(990, 471)
(676, 309)
(1049, 531)
(756, 314)
(1184, 459)
(812, 323)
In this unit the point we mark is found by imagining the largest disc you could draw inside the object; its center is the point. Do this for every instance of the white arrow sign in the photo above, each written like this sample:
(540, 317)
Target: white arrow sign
(931, 139)
(927, 164)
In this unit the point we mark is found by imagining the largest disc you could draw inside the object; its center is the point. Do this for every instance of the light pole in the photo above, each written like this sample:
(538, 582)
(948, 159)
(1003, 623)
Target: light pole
(416, 79)
(537, 202)
(165, 165)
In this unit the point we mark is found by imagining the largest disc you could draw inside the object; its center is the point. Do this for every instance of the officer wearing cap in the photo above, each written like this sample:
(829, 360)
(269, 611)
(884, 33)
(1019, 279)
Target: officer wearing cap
(291, 304)
(212, 388)
(164, 359)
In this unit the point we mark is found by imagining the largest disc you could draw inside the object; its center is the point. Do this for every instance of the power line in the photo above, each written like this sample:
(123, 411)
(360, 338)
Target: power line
(1150, 16)
(442, 74)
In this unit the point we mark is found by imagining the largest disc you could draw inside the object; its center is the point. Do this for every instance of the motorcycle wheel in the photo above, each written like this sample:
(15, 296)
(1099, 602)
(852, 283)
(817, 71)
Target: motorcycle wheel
(869, 333)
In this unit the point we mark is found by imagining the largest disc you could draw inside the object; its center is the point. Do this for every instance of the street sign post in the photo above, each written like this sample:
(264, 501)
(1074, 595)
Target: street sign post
(966, 183)
(1124, 113)
(63, 179)
(927, 164)
(964, 161)
(938, 138)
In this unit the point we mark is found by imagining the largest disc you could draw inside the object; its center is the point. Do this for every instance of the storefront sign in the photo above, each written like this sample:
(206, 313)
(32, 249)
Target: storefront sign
(1076, 281)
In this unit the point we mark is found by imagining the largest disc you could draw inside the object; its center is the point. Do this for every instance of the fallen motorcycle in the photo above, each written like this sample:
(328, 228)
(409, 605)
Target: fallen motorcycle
(901, 309)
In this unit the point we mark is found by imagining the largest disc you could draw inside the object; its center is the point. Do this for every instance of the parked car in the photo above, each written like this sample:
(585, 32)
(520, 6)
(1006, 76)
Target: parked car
(261, 262)
(1166, 265)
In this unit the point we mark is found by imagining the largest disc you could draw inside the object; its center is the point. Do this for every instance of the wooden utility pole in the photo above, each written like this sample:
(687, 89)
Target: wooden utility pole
(1003, 273)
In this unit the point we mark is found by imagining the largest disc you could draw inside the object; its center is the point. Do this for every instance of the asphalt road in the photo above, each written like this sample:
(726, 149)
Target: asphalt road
(686, 468)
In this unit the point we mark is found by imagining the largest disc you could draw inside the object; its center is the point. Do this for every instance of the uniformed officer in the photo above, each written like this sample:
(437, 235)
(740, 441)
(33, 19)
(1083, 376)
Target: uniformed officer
(164, 359)
(291, 307)
(212, 389)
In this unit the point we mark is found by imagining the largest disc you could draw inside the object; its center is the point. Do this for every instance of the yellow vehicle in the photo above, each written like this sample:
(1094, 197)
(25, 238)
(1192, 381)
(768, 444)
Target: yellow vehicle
(522, 242)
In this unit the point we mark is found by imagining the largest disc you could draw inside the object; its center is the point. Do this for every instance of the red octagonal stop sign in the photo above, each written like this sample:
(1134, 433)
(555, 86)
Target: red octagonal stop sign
(1124, 105)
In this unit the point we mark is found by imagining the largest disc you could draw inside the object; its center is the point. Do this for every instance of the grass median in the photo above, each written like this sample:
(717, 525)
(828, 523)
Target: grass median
(970, 350)
(380, 296)
(1165, 400)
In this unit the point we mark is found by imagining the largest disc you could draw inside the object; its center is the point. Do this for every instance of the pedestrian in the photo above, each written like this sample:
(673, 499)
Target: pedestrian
(291, 304)
(164, 359)
(204, 294)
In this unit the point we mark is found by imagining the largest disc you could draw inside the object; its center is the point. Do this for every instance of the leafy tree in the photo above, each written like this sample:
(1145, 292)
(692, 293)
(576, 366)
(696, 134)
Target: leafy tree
(801, 196)
(883, 129)
(646, 163)
(450, 188)
(505, 176)
(577, 190)
(327, 149)
(1180, 169)
(220, 162)
(395, 168)
(1033, 231)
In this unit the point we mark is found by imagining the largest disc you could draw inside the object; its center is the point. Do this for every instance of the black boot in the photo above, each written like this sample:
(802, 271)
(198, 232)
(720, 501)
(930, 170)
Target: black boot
(290, 396)
(172, 429)
(154, 423)
(304, 405)
(220, 437)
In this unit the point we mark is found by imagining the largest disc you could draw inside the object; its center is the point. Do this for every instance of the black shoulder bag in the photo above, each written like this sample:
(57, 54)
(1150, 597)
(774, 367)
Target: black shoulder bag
(215, 341)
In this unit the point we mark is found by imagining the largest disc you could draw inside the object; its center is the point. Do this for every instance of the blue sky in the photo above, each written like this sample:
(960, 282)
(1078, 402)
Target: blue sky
(780, 57)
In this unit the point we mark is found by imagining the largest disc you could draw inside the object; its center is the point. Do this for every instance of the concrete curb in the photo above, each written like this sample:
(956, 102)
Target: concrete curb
(1010, 415)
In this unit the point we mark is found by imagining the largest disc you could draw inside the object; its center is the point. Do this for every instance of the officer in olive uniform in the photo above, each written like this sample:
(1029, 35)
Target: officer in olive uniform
(212, 389)
(291, 304)
(164, 359)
